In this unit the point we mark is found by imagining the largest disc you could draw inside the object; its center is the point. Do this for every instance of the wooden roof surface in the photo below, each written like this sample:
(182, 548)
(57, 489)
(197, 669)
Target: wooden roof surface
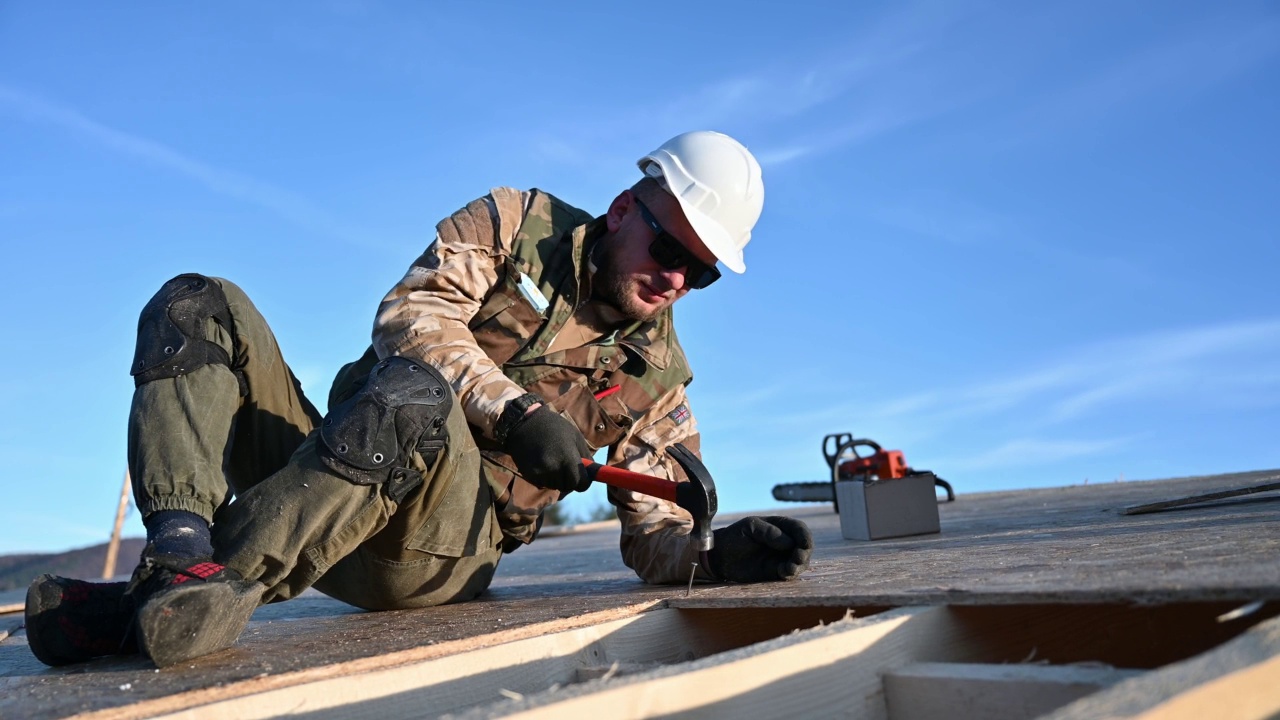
(1056, 545)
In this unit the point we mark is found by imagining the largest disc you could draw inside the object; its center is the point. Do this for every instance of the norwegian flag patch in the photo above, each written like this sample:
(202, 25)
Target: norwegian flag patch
(680, 414)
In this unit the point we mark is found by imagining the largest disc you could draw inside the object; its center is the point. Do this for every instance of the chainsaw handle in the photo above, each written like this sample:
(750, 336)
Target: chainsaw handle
(836, 441)
(852, 446)
(628, 480)
(841, 443)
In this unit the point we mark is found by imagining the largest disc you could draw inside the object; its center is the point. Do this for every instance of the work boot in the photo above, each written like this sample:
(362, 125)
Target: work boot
(188, 607)
(71, 621)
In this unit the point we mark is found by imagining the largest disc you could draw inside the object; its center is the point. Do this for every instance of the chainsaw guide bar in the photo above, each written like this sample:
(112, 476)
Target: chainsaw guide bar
(840, 450)
(804, 492)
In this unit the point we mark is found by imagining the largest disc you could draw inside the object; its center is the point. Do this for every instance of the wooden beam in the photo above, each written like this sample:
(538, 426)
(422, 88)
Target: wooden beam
(1249, 694)
(942, 691)
(837, 670)
(205, 701)
(526, 666)
(113, 546)
(824, 672)
(745, 663)
(8, 626)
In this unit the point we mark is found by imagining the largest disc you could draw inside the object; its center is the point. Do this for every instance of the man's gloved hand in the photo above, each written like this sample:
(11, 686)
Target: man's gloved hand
(759, 549)
(548, 451)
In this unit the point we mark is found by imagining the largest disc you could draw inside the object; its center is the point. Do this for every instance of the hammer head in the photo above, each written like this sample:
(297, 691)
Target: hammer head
(698, 496)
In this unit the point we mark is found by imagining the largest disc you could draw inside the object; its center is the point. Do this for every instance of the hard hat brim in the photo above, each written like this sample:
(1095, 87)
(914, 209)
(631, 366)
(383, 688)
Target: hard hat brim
(714, 236)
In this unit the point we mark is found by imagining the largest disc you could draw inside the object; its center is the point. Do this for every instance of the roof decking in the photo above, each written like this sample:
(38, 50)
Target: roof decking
(1053, 546)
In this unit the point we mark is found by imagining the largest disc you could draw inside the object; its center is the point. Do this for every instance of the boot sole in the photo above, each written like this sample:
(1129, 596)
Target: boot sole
(194, 619)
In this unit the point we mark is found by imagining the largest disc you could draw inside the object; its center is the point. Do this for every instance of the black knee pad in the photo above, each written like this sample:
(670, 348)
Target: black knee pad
(401, 409)
(171, 330)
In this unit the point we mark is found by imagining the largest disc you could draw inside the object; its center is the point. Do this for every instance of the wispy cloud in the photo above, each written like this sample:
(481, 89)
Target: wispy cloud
(285, 204)
(781, 155)
(1029, 453)
(1149, 366)
(1177, 67)
(947, 219)
(1190, 364)
(786, 108)
(866, 87)
(1034, 414)
(851, 132)
(912, 66)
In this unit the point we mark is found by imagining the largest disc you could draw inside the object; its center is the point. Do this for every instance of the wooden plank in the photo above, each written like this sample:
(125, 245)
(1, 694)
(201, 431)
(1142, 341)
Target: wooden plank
(442, 685)
(113, 545)
(944, 691)
(204, 694)
(811, 674)
(837, 670)
(9, 625)
(449, 682)
(1249, 694)
(469, 673)
(304, 636)
(829, 671)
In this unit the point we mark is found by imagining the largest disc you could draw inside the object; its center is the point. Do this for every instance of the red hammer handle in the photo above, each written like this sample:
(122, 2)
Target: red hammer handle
(628, 480)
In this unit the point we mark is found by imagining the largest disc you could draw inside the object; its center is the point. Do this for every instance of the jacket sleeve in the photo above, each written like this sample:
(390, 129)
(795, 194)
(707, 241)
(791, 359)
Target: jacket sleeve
(425, 315)
(655, 533)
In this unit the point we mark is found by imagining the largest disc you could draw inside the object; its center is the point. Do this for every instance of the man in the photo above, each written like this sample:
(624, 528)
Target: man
(528, 335)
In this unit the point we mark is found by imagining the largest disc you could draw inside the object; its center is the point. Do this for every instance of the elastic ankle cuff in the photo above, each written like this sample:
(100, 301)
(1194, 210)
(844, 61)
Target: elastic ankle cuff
(185, 503)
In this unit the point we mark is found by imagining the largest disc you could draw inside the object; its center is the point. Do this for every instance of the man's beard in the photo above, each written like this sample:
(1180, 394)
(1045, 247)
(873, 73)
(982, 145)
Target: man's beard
(611, 286)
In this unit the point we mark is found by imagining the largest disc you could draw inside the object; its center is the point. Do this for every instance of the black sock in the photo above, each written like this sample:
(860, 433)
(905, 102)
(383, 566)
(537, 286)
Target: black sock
(178, 532)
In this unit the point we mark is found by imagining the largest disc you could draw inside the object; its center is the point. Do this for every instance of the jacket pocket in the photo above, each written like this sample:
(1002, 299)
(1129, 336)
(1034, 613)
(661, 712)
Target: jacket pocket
(506, 321)
(580, 407)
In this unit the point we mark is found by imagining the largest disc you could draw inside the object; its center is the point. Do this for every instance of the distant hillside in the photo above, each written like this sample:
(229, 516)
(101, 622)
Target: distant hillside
(17, 571)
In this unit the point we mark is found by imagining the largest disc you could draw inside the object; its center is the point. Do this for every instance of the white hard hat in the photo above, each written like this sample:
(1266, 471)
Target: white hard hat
(718, 185)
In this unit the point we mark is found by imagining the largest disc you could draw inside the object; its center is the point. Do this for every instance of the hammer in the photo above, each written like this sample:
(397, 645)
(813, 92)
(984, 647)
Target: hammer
(698, 496)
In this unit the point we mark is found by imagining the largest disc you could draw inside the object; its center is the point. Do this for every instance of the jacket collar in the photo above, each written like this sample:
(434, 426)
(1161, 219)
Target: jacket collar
(650, 339)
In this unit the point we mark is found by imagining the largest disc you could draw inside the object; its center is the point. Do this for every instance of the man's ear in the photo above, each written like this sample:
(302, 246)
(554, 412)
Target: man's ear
(618, 210)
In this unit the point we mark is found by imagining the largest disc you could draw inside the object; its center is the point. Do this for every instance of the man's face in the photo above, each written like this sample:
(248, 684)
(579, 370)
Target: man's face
(627, 276)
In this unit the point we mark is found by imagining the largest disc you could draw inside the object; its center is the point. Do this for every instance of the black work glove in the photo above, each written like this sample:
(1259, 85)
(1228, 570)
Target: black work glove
(759, 549)
(548, 451)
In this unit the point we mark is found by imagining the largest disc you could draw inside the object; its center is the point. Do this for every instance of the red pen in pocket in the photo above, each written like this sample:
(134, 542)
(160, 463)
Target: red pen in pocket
(607, 392)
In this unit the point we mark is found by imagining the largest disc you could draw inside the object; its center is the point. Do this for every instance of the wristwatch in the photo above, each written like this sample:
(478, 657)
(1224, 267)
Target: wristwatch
(512, 414)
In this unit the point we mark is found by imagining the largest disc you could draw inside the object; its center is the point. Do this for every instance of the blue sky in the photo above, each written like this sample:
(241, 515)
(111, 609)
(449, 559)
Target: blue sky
(1029, 244)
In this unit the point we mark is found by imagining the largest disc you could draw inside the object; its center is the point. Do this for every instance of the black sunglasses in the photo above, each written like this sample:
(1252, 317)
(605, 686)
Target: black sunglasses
(671, 254)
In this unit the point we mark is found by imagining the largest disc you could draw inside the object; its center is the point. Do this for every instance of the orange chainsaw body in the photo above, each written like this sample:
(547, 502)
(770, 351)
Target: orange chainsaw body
(882, 464)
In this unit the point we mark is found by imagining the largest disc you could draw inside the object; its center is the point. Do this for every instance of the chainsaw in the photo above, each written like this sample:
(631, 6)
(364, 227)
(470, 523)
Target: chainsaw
(852, 458)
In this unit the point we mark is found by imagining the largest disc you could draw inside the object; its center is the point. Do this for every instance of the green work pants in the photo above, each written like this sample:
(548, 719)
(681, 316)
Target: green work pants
(249, 464)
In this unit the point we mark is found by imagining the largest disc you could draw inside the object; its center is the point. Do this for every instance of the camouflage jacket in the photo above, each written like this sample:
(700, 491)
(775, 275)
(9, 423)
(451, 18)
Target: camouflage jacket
(462, 308)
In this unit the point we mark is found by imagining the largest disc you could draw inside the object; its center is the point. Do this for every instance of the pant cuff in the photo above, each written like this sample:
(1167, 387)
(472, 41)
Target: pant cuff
(186, 503)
